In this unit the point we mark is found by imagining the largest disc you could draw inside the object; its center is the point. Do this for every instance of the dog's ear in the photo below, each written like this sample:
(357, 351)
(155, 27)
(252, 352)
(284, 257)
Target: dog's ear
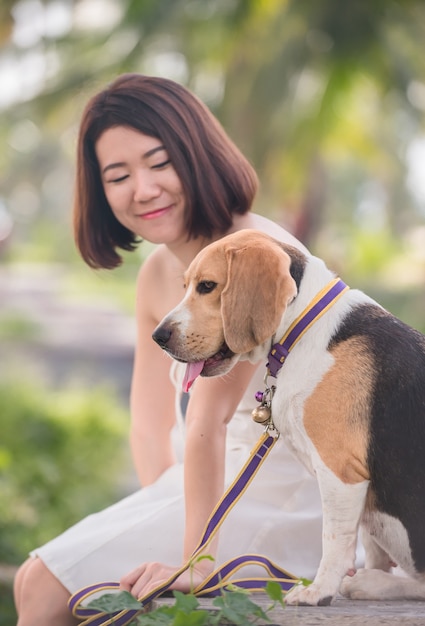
(259, 287)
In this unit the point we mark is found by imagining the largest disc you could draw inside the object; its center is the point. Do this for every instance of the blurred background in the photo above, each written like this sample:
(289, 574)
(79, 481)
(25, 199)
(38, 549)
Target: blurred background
(327, 99)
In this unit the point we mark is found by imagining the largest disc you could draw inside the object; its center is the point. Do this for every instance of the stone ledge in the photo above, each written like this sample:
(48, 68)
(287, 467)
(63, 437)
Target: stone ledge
(342, 612)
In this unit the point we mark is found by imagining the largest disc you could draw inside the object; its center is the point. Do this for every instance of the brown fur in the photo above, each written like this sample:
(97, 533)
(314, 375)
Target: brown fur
(248, 268)
(340, 405)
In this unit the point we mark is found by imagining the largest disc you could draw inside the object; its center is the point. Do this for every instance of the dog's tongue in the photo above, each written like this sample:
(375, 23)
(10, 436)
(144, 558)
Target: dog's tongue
(192, 371)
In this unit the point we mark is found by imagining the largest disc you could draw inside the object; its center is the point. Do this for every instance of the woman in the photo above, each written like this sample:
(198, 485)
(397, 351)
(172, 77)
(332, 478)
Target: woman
(154, 164)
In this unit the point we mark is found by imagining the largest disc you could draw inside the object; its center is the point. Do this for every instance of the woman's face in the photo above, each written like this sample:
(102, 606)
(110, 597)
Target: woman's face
(141, 185)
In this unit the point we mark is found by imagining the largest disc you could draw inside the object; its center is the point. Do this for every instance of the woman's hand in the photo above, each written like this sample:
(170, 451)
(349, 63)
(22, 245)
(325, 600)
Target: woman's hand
(148, 576)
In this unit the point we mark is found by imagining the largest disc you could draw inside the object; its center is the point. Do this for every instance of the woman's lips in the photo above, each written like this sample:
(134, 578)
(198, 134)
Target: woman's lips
(151, 215)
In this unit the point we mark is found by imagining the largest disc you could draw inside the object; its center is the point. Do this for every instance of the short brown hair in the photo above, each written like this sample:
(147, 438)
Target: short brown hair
(217, 179)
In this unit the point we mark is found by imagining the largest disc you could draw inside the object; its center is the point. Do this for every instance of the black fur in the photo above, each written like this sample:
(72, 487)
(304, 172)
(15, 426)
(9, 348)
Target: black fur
(298, 263)
(396, 452)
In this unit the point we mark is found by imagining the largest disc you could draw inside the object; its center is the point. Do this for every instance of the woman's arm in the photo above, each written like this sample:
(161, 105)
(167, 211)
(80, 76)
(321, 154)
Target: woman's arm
(152, 400)
(211, 407)
(152, 414)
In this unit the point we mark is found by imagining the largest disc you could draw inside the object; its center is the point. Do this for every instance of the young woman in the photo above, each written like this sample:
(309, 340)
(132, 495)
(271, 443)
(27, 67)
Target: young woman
(154, 164)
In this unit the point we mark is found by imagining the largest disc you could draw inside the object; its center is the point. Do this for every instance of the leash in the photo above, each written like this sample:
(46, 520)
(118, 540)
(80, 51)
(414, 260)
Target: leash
(217, 581)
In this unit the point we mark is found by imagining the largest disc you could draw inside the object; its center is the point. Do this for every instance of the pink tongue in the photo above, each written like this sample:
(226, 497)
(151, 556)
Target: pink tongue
(192, 371)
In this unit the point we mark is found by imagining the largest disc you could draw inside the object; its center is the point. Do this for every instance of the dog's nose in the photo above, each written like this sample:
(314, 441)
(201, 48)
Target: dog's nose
(161, 335)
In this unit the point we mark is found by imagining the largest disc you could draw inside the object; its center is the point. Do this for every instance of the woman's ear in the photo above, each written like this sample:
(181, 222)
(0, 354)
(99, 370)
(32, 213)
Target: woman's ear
(259, 287)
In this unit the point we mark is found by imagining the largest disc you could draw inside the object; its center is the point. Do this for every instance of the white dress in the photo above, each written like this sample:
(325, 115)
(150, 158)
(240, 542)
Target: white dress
(279, 516)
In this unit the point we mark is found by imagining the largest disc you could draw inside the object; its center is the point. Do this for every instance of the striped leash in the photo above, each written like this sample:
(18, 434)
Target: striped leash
(218, 579)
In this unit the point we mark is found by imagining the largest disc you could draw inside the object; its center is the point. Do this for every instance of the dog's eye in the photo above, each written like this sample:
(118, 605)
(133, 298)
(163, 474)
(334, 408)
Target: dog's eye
(206, 286)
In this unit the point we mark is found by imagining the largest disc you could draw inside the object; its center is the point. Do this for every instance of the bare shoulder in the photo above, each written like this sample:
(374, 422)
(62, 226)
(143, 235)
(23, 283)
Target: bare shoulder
(153, 267)
(159, 285)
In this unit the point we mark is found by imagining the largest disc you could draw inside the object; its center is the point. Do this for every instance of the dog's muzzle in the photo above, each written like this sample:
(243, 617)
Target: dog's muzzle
(162, 336)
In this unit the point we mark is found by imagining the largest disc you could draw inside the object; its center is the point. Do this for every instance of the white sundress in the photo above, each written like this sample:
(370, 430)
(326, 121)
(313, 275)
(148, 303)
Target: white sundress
(279, 516)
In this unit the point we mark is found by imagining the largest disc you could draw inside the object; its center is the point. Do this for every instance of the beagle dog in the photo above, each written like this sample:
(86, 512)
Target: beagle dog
(349, 401)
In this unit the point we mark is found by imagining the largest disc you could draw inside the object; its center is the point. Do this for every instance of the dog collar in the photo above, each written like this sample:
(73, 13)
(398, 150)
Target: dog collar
(317, 307)
(279, 351)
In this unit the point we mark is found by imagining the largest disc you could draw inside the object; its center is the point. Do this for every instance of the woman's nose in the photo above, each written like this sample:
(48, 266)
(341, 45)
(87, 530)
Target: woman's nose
(146, 187)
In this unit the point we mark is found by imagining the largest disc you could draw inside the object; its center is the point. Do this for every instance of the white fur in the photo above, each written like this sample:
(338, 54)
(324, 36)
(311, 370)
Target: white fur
(390, 534)
(342, 508)
(375, 584)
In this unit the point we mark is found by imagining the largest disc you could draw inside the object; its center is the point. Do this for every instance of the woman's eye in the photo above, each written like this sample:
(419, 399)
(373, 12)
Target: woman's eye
(158, 166)
(118, 180)
(206, 286)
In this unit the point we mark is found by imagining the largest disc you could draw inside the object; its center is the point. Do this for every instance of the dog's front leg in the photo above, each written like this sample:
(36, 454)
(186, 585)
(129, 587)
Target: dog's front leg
(343, 504)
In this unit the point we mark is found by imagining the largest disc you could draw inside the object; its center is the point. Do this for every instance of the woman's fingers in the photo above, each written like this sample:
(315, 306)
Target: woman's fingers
(148, 576)
(127, 581)
(145, 578)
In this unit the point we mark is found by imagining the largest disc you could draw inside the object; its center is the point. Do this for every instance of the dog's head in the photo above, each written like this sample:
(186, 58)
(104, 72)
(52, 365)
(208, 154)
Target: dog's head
(237, 290)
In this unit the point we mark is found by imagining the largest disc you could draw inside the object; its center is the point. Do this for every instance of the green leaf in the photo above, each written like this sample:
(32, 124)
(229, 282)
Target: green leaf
(185, 602)
(233, 587)
(196, 618)
(162, 616)
(113, 602)
(237, 607)
(203, 557)
(274, 591)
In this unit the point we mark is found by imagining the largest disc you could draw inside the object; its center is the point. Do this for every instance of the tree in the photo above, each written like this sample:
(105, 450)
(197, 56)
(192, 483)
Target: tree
(324, 101)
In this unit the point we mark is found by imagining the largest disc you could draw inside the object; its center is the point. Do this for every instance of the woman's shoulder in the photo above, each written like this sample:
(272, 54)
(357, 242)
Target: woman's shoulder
(157, 280)
(154, 265)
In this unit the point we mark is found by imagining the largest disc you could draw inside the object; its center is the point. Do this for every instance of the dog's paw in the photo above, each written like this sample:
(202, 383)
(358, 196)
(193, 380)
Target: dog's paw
(361, 586)
(313, 595)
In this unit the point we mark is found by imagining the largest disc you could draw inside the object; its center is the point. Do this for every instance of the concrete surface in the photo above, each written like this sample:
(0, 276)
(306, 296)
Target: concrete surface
(353, 613)
(341, 613)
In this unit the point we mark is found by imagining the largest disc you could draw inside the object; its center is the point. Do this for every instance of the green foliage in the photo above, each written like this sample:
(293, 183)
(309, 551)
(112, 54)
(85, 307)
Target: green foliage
(324, 102)
(233, 606)
(112, 602)
(117, 286)
(388, 270)
(369, 254)
(236, 606)
(274, 591)
(61, 458)
(291, 81)
(17, 327)
(7, 607)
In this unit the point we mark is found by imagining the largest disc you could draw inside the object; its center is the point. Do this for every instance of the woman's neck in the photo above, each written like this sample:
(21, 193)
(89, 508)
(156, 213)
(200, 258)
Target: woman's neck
(184, 251)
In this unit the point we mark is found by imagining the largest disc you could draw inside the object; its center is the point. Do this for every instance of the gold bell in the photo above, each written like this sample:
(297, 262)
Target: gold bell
(261, 414)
